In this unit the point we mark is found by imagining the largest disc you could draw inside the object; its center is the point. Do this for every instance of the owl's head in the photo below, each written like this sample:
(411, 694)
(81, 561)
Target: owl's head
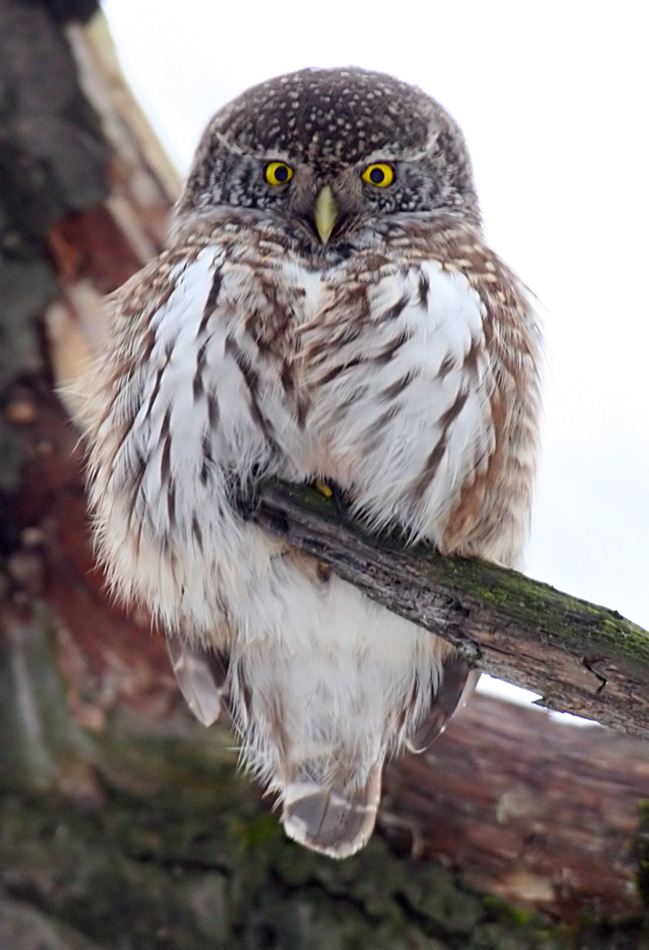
(332, 150)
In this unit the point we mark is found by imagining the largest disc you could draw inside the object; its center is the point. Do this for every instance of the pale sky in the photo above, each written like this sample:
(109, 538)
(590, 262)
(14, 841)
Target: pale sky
(552, 98)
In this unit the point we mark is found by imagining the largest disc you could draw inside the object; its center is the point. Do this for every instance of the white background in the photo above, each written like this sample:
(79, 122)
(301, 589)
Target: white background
(552, 98)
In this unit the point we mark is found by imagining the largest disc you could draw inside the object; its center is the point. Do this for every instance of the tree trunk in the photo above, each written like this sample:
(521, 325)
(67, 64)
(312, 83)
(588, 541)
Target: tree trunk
(123, 822)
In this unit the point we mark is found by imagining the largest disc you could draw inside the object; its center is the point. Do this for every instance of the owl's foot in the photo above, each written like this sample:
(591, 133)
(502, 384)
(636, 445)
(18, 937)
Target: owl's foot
(332, 490)
(246, 500)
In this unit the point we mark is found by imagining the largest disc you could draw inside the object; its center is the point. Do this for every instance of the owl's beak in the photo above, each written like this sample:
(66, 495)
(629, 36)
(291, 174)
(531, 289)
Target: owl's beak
(325, 213)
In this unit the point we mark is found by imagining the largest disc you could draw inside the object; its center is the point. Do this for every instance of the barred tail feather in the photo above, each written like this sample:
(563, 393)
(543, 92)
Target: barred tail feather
(333, 820)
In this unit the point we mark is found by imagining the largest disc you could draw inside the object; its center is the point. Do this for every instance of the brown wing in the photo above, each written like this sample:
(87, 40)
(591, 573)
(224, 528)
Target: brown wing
(457, 683)
(202, 678)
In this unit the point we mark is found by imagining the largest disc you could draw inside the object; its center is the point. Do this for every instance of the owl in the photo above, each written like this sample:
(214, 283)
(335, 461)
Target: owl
(325, 309)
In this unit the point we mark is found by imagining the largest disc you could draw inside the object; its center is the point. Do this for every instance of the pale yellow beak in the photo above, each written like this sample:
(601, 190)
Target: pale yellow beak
(325, 213)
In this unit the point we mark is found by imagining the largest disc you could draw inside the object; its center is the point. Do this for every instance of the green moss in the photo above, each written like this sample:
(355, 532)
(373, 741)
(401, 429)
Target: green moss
(148, 871)
(520, 916)
(254, 832)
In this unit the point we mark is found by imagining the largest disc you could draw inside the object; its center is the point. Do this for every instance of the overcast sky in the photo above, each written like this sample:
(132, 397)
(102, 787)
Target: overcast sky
(552, 98)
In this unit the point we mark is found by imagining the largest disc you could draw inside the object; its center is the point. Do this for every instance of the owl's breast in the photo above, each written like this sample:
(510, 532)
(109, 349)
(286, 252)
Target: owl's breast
(398, 376)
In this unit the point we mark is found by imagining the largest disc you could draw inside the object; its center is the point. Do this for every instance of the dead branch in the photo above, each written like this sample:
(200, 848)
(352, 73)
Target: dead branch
(580, 657)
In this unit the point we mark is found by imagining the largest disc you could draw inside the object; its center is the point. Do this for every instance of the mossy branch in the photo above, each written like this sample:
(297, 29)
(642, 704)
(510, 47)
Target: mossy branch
(581, 658)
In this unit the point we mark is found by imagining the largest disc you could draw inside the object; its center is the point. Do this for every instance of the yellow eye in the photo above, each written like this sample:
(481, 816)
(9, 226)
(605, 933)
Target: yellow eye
(379, 174)
(278, 173)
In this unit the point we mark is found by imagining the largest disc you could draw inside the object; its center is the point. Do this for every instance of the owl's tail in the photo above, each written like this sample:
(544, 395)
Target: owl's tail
(335, 820)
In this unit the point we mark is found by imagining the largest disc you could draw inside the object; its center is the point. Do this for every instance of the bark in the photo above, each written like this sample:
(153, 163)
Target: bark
(123, 822)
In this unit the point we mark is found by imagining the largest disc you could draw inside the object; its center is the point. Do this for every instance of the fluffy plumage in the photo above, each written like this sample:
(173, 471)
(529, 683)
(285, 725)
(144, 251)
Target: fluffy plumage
(396, 355)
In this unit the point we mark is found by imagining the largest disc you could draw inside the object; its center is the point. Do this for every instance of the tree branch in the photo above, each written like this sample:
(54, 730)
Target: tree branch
(581, 658)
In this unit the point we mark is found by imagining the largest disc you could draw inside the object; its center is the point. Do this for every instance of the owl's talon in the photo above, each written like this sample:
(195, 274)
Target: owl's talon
(324, 489)
(247, 503)
(332, 490)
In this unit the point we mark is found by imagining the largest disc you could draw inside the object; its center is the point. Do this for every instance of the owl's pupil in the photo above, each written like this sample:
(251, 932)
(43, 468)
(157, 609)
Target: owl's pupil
(377, 175)
(281, 173)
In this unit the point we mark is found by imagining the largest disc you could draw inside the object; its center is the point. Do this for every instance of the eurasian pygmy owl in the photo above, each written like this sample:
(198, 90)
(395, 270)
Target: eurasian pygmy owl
(326, 308)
